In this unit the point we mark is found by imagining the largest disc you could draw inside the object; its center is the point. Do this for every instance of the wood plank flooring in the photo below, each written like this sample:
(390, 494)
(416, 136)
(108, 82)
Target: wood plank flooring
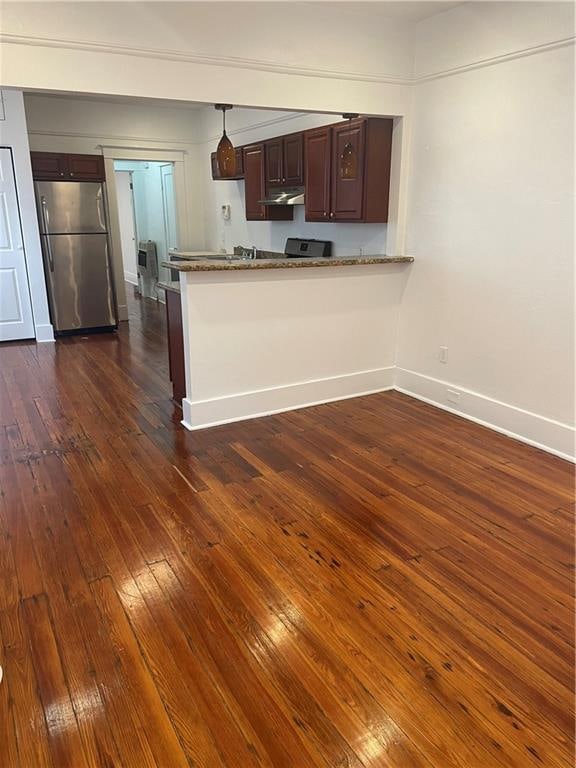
(367, 583)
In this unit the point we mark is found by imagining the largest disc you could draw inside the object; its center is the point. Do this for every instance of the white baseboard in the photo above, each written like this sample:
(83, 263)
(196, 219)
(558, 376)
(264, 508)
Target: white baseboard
(122, 312)
(265, 402)
(539, 431)
(552, 436)
(44, 332)
(131, 277)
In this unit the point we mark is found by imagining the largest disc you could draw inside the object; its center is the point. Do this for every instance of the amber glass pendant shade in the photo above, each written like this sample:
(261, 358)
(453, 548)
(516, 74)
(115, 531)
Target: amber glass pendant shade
(226, 156)
(225, 152)
(349, 156)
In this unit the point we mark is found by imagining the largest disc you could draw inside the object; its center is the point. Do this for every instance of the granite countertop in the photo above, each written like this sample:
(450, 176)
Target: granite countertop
(221, 264)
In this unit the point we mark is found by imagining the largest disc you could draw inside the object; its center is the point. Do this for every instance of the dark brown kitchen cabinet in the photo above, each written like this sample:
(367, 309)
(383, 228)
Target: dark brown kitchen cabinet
(216, 175)
(274, 171)
(175, 345)
(293, 160)
(364, 198)
(49, 165)
(86, 167)
(57, 166)
(284, 161)
(317, 150)
(347, 194)
(255, 188)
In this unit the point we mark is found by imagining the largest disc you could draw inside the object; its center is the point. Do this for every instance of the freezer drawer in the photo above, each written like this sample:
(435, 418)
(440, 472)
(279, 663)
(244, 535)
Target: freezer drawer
(79, 281)
(70, 207)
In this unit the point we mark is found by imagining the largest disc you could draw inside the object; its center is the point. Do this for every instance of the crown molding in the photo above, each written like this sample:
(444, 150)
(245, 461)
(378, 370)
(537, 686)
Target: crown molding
(101, 138)
(260, 124)
(489, 62)
(109, 137)
(200, 58)
(275, 67)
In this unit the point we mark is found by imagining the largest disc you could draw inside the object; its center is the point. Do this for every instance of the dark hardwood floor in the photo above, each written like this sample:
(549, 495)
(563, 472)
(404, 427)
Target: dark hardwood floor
(367, 583)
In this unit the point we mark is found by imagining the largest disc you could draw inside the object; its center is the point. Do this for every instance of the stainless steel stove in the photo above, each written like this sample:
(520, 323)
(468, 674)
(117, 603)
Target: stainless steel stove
(315, 249)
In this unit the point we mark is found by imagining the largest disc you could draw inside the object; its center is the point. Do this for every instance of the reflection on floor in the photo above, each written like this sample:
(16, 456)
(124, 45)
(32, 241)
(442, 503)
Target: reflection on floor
(366, 583)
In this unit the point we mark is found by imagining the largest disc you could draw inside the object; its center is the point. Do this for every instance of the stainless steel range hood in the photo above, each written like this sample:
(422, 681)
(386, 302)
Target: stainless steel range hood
(284, 196)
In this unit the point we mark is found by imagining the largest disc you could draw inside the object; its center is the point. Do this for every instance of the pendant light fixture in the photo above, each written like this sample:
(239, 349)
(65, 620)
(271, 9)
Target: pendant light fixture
(349, 156)
(225, 153)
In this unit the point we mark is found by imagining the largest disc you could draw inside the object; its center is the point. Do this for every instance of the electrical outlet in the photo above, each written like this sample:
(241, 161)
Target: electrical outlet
(452, 395)
(443, 355)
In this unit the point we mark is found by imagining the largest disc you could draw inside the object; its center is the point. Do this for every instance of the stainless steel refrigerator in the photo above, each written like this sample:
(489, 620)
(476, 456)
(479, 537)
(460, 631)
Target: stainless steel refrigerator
(75, 247)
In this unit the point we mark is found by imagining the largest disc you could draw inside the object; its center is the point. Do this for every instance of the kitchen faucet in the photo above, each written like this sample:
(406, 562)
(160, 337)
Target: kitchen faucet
(245, 253)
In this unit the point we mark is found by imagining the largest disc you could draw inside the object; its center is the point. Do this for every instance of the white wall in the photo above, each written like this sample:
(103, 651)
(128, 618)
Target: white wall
(304, 36)
(352, 62)
(262, 341)
(250, 125)
(491, 224)
(13, 134)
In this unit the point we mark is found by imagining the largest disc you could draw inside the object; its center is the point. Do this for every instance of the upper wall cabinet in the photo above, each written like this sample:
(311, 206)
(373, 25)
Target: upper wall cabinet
(285, 161)
(318, 152)
(57, 166)
(347, 198)
(332, 197)
(255, 188)
(239, 167)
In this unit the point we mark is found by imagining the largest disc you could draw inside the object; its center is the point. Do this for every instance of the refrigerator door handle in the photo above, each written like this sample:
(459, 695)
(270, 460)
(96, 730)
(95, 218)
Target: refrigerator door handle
(47, 236)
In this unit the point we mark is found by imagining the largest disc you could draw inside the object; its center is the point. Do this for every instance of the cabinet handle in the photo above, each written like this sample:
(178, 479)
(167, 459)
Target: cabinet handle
(61, 173)
(71, 174)
(332, 215)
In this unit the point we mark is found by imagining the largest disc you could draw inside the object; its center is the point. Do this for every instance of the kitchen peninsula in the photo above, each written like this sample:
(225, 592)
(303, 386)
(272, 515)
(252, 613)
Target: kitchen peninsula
(267, 335)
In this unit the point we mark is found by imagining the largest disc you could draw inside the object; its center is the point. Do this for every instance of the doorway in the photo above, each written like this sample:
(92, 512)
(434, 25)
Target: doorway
(146, 207)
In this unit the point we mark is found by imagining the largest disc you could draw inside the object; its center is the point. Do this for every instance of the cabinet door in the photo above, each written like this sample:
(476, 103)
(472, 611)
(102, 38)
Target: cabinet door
(317, 162)
(254, 181)
(292, 160)
(348, 194)
(49, 166)
(86, 167)
(175, 345)
(274, 172)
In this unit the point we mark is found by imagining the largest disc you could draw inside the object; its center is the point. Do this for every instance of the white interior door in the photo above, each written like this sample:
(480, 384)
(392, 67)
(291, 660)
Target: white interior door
(169, 206)
(126, 218)
(16, 320)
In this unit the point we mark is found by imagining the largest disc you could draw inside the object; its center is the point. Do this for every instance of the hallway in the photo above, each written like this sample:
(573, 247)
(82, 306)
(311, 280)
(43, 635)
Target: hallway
(365, 583)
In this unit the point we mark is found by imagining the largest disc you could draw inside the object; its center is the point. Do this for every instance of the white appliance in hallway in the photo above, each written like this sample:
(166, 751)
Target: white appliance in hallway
(16, 320)
(74, 236)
